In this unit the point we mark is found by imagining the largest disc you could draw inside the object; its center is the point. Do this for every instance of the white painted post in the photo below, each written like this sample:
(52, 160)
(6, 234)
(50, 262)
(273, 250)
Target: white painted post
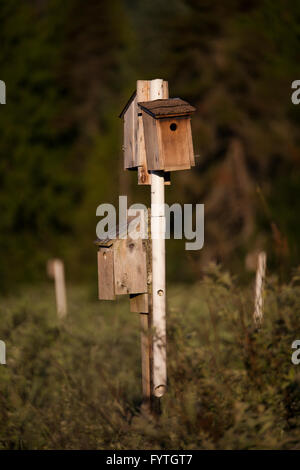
(259, 288)
(56, 271)
(158, 266)
(2, 92)
(2, 352)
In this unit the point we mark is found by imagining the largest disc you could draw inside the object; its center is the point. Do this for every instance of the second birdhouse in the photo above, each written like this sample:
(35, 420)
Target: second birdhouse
(122, 264)
(168, 135)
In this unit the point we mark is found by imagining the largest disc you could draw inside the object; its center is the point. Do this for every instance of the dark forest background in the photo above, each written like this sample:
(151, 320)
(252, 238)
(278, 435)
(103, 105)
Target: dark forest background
(69, 68)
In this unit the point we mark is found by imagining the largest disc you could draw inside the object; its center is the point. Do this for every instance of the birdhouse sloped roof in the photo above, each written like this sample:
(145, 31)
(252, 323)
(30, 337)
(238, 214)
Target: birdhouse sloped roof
(127, 104)
(171, 107)
(121, 231)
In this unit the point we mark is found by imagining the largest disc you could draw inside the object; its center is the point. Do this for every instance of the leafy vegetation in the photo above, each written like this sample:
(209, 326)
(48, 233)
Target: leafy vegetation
(70, 67)
(76, 384)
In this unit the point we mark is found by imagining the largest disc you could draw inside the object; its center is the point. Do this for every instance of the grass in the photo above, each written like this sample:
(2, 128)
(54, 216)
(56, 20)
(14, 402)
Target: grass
(76, 384)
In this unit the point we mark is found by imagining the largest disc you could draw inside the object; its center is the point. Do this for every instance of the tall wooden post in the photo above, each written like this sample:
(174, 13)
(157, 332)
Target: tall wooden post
(142, 94)
(259, 289)
(56, 270)
(158, 223)
(157, 140)
(146, 355)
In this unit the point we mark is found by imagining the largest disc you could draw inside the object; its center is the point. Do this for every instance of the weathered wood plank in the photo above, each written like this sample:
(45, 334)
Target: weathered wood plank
(130, 136)
(191, 147)
(169, 143)
(139, 303)
(143, 94)
(165, 90)
(146, 359)
(135, 156)
(106, 274)
(175, 145)
(151, 141)
(130, 267)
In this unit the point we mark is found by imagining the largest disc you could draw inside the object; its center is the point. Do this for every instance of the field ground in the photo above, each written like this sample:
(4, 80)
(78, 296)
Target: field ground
(76, 384)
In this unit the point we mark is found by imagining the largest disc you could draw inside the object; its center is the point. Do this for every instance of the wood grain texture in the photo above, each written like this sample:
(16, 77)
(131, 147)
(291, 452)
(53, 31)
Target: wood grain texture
(146, 329)
(165, 90)
(176, 146)
(139, 303)
(106, 289)
(151, 141)
(130, 136)
(168, 149)
(130, 269)
(190, 142)
(143, 94)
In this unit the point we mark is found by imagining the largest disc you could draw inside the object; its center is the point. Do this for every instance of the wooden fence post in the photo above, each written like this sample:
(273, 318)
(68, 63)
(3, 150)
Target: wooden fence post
(55, 270)
(259, 289)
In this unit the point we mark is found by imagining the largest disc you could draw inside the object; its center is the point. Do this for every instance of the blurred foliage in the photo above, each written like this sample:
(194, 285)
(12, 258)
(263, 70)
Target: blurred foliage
(231, 386)
(70, 67)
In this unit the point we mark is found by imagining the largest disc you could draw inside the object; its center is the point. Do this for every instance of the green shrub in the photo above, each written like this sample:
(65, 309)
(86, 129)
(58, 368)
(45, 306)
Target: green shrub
(77, 384)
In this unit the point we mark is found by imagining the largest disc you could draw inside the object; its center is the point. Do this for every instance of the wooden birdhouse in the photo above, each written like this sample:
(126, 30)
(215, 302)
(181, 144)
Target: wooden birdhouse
(133, 140)
(168, 135)
(122, 262)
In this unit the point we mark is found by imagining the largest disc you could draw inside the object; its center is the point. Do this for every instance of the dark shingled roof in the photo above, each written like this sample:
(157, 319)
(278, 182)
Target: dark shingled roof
(165, 108)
